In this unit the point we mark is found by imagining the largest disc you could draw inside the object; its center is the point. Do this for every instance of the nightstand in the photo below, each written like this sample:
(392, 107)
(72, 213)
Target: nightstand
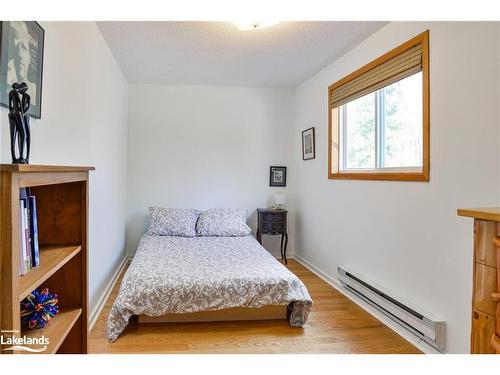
(273, 222)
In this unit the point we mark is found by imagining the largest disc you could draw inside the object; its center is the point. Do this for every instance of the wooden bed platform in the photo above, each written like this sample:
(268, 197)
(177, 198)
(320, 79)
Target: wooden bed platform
(225, 315)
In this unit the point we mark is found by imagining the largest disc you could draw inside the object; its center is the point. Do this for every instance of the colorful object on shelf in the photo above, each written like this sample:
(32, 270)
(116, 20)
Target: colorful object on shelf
(38, 308)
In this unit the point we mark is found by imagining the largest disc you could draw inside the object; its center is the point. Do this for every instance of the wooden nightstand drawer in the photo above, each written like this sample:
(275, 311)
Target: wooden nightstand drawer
(272, 217)
(269, 228)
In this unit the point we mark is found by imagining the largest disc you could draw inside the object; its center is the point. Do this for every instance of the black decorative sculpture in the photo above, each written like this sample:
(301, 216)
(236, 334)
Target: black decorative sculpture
(19, 103)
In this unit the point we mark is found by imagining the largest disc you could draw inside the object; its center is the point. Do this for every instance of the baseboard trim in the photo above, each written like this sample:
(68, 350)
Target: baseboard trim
(104, 297)
(335, 283)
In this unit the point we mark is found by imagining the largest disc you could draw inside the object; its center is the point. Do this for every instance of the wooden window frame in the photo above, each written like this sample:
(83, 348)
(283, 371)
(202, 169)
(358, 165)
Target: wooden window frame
(334, 171)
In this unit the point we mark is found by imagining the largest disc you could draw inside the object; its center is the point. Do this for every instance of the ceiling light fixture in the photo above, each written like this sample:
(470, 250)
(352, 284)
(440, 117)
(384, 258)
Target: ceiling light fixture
(252, 25)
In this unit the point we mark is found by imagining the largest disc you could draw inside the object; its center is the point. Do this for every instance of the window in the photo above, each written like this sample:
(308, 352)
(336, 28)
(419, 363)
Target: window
(379, 118)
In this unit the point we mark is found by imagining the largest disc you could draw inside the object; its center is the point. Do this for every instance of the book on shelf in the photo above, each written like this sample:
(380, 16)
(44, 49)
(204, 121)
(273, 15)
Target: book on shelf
(30, 252)
(24, 261)
(35, 249)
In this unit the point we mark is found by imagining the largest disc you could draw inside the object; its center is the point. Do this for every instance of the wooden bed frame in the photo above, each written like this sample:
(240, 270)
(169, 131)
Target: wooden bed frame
(225, 315)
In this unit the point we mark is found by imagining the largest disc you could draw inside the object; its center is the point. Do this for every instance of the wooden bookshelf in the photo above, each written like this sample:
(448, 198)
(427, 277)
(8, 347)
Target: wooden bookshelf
(62, 203)
(58, 329)
(51, 259)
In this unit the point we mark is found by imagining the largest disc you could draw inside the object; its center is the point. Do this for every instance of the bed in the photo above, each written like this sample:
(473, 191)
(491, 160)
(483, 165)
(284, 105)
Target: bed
(203, 277)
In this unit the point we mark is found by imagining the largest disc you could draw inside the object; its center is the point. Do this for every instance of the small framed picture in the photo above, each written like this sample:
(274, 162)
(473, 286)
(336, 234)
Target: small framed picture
(277, 176)
(21, 60)
(308, 144)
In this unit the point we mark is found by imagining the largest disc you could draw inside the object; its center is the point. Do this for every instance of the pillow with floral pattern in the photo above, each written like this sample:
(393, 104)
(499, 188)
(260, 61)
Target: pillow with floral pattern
(223, 222)
(172, 222)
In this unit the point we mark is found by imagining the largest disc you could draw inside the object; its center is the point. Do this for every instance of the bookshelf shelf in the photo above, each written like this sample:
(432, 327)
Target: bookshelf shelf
(51, 259)
(42, 168)
(57, 329)
(61, 194)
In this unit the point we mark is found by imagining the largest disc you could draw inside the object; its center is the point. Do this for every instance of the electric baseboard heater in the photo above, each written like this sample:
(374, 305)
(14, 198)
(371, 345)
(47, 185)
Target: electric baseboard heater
(431, 331)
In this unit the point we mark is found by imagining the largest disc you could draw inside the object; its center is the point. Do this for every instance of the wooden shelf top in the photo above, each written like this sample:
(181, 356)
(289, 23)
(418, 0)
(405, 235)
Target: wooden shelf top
(51, 259)
(56, 329)
(483, 213)
(42, 168)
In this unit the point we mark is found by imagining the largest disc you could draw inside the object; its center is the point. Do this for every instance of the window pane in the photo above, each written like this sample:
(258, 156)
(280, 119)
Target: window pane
(403, 123)
(360, 133)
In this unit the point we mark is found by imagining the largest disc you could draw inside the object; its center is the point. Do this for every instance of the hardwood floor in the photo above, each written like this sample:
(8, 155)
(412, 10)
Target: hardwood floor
(336, 325)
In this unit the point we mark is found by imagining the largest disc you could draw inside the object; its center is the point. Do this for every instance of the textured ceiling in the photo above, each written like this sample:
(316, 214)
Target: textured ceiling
(217, 53)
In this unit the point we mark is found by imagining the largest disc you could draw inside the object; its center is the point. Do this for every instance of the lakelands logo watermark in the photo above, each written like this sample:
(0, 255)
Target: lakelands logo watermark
(23, 343)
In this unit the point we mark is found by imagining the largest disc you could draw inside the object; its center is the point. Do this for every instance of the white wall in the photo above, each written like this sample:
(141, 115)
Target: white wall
(203, 147)
(84, 122)
(406, 236)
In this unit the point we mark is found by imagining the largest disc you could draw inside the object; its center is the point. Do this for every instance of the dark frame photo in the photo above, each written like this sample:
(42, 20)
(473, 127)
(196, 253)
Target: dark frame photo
(21, 60)
(308, 144)
(277, 176)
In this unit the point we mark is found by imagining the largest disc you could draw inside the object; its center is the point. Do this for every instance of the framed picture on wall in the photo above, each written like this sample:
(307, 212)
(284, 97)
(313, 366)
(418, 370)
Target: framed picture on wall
(277, 176)
(21, 60)
(308, 144)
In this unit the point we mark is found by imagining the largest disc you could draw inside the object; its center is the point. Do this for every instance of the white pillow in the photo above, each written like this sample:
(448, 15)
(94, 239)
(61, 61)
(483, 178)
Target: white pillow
(172, 222)
(223, 222)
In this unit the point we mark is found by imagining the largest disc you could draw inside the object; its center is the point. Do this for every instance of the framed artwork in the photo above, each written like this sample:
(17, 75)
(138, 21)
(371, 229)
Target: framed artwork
(277, 176)
(308, 144)
(21, 60)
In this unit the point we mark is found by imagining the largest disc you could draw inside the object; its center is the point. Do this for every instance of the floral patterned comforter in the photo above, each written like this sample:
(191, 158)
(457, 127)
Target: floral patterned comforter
(184, 275)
